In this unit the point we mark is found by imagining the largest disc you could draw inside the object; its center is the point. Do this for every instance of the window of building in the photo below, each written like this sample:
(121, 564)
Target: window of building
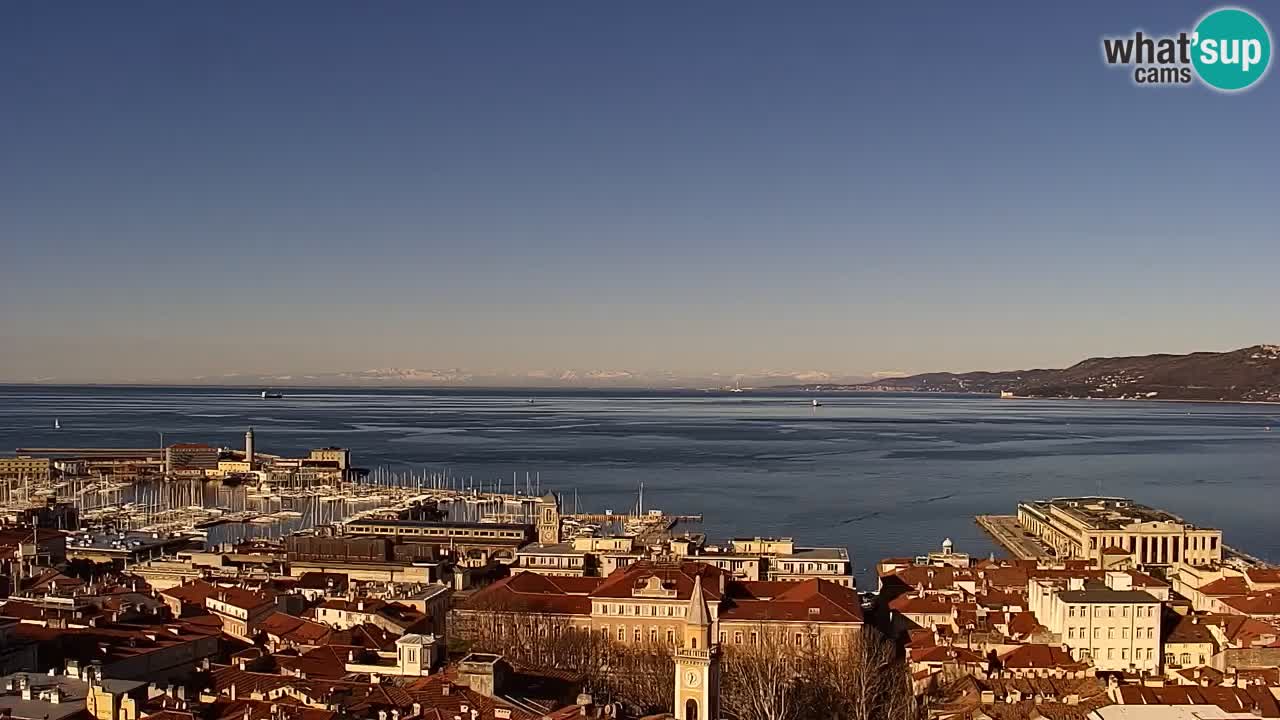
(1071, 633)
(799, 639)
(1124, 633)
(755, 637)
(653, 635)
(636, 635)
(1097, 611)
(1185, 658)
(1124, 611)
(1097, 633)
(737, 638)
(671, 637)
(1111, 653)
(723, 635)
(1071, 611)
(622, 634)
(1148, 653)
(1111, 633)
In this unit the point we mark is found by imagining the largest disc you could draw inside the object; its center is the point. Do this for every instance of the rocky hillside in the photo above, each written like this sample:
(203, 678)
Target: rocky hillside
(1251, 373)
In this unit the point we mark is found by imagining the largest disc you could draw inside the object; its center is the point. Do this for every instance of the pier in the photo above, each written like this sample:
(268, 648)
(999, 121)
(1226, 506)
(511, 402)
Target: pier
(1010, 535)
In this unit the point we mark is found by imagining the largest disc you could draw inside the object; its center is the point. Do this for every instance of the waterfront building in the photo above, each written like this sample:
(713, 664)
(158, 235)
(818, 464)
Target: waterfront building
(1110, 623)
(475, 544)
(25, 467)
(558, 559)
(1101, 528)
(190, 458)
(341, 456)
(783, 561)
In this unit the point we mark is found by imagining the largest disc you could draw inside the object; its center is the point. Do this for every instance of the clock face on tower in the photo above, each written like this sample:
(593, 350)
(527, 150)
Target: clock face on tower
(693, 678)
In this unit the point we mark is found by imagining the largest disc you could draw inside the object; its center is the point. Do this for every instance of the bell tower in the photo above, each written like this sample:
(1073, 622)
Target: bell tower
(548, 520)
(697, 663)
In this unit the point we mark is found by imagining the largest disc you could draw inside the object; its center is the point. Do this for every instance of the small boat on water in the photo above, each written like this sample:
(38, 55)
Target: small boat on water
(816, 403)
(269, 395)
(56, 424)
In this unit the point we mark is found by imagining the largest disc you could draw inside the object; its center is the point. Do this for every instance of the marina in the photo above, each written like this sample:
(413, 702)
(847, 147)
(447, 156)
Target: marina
(872, 472)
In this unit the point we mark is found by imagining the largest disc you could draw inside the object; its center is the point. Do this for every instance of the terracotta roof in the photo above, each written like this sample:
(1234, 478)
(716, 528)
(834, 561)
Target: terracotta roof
(1023, 624)
(1041, 698)
(757, 589)
(1114, 550)
(1264, 576)
(192, 592)
(293, 629)
(529, 593)
(325, 662)
(1226, 586)
(239, 598)
(1202, 674)
(913, 605)
(321, 580)
(362, 699)
(1026, 657)
(1264, 603)
(679, 576)
(1143, 580)
(943, 654)
(1189, 630)
(1235, 700)
(921, 638)
(813, 600)
(1242, 631)
(364, 635)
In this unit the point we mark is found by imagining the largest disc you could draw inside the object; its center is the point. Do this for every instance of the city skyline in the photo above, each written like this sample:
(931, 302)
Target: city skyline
(846, 189)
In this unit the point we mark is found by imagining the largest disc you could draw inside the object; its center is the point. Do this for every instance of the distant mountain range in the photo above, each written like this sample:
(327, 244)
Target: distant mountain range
(1247, 374)
(558, 378)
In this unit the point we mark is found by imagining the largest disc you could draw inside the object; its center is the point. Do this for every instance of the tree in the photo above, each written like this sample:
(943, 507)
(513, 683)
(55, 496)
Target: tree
(758, 680)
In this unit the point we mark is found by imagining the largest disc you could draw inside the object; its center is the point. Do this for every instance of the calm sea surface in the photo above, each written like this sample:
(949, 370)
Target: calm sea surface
(881, 474)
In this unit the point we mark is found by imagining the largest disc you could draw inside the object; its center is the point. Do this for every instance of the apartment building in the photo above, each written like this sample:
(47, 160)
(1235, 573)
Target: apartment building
(1110, 624)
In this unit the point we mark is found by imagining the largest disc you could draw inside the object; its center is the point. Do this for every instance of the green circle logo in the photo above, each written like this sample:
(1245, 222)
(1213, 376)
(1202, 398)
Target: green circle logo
(1231, 49)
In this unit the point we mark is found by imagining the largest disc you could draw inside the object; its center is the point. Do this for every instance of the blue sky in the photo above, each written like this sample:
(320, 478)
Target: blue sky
(304, 187)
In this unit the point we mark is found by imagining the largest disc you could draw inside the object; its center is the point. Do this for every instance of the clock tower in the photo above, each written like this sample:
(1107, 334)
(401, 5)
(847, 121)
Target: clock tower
(697, 663)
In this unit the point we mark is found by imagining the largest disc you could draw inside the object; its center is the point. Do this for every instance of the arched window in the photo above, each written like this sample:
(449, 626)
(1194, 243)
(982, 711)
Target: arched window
(691, 709)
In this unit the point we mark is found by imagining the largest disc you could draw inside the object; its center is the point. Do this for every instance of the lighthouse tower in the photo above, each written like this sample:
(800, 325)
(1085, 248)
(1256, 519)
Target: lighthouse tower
(248, 446)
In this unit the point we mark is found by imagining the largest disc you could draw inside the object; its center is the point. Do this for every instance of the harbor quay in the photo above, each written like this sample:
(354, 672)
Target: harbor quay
(194, 581)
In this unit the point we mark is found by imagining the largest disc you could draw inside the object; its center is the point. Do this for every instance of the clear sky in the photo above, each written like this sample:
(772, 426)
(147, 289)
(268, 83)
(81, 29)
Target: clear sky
(202, 188)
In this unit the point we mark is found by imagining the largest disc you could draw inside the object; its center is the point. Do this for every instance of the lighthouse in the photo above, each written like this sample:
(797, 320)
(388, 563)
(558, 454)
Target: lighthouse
(248, 446)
